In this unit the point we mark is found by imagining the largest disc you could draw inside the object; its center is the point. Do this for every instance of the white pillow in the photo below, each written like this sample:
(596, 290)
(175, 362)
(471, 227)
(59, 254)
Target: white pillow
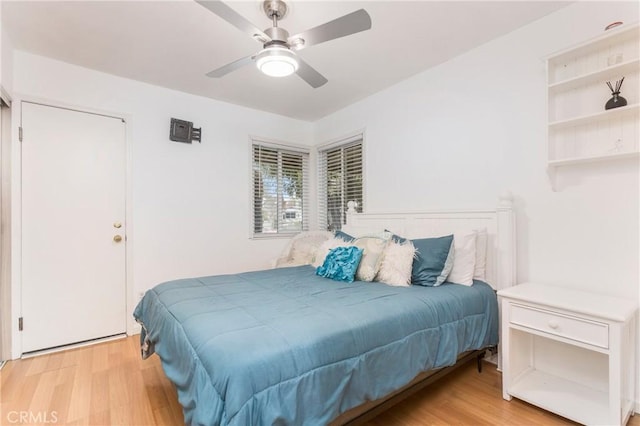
(326, 247)
(302, 248)
(480, 272)
(372, 247)
(464, 259)
(397, 261)
(305, 247)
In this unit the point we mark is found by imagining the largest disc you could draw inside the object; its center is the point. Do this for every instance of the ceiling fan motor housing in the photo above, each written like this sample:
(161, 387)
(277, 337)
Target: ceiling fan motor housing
(277, 34)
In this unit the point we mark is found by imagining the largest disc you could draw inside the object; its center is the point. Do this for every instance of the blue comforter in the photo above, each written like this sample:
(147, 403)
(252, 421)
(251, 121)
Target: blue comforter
(286, 347)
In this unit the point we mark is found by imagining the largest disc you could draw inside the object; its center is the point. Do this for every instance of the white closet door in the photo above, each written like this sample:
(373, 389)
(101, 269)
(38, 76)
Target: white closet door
(73, 211)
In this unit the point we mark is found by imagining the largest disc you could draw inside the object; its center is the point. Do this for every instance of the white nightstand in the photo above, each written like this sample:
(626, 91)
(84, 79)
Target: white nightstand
(570, 352)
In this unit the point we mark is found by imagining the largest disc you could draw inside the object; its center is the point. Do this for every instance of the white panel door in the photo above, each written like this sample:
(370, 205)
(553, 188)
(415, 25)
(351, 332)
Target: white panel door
(73, 200)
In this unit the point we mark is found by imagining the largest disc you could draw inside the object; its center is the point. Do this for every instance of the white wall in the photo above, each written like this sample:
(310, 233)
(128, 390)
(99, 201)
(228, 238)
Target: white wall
(190, 203)
(6, 83)
(6, 59)
(2, 53)
(461, 133)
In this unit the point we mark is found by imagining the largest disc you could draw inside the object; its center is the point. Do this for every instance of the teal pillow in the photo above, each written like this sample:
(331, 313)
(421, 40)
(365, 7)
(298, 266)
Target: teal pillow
(341, 264)
(433, 262)
(344, 236)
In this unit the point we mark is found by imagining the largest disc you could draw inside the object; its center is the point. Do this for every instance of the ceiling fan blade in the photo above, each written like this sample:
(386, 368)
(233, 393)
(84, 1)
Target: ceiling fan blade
(235, 19)
(309, 74)
(226, 69)
(348, 24)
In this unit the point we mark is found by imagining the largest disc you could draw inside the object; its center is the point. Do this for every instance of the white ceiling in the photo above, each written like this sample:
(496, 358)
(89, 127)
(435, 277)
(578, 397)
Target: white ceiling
(174, 43)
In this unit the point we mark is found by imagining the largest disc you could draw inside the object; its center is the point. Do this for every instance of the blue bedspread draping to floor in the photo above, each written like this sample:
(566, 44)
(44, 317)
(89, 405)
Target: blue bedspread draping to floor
(286, 347)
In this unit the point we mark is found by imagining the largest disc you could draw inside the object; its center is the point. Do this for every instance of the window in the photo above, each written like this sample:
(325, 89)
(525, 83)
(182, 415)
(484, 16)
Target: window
(289, 214)
(340, 175)
(280, 176)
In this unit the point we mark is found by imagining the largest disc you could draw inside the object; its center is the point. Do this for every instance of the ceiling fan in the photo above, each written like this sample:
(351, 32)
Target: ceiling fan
(277, 57)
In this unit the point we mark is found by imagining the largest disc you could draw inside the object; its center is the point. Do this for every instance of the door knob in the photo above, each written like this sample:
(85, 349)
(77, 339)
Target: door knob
(117, 238)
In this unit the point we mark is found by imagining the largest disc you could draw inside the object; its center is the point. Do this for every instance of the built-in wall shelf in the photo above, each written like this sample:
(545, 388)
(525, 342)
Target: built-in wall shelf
(591, 118)
(595, 76)
(580, 130)
(594, 159)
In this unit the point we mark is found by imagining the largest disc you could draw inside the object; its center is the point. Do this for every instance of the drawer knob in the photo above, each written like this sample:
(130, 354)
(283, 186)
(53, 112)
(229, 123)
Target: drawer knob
(553, 324)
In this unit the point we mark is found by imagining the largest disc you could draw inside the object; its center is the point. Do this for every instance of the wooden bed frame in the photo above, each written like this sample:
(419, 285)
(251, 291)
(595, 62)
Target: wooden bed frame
(500, 273)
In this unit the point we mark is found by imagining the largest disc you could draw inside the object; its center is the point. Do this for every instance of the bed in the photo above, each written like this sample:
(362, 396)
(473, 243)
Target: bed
(287, 347)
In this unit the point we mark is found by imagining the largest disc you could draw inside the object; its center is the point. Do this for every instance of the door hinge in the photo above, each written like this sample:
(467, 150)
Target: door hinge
(20, 133)
(20, 324)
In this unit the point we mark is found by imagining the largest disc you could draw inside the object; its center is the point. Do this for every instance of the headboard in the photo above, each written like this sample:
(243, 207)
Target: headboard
(499, 222)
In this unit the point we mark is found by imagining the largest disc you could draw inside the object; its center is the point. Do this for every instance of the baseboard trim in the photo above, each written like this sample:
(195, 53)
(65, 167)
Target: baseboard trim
(73, 346)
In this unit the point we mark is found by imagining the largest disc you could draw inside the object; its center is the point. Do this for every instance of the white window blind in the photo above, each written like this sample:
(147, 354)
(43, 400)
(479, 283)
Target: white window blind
(340, 179)
(280, 190)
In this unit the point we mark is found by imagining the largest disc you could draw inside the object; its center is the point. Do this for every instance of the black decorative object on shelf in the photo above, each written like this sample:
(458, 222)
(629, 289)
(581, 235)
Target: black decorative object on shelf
(616, 100)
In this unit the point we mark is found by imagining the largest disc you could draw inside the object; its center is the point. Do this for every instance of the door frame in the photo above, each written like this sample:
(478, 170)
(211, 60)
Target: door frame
(16, 212)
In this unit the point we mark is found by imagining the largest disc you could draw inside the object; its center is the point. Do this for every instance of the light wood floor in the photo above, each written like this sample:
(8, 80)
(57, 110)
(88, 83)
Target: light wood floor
(108, 384)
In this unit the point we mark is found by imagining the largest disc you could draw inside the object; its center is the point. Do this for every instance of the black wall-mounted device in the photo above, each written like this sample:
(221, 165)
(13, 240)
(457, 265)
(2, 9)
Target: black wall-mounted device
(183, 131)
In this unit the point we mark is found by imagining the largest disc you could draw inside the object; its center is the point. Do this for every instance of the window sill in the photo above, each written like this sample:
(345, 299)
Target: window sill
(273, 236)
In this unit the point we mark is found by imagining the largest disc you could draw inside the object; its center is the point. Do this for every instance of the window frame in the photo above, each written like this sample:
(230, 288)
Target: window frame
(287, 148)
(321, 187)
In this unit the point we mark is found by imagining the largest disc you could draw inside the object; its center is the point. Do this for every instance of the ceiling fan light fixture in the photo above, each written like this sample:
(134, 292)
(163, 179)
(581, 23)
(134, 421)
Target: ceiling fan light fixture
(276, 61)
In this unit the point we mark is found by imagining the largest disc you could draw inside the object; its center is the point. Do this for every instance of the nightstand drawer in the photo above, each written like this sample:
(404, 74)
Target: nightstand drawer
(575, 328)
